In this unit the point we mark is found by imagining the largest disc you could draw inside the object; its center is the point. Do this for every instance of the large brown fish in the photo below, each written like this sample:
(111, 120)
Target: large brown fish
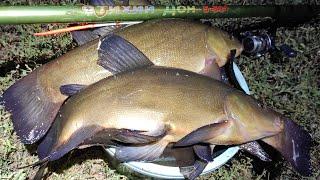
(35, 99)
(142, 111)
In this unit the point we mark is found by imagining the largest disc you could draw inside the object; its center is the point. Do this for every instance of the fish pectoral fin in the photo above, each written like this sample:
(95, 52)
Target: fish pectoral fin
(71, 89)
(203, 156)
(118, 55)
(203, 151)
(203, 134)
(105, 137)
(147, 152)
(135, 137)
(192, 172)
(229, 70)
(255, 149)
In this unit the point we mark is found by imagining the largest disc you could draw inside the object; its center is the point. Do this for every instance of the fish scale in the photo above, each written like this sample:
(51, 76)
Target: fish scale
(153, 104)
(80, 67)
(163, 108)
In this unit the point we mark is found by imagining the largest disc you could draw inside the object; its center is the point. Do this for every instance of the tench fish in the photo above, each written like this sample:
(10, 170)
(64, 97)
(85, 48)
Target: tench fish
(35, 99)
(140, 112)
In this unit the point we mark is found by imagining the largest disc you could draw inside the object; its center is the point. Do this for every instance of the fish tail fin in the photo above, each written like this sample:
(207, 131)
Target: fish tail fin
(32, 111)
(294, 144)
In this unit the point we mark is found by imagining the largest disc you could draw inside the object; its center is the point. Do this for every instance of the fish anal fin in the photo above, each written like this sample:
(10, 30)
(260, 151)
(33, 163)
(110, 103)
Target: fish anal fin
(118, 55)
(192, 172)
(255, 149)
(294, 144)
(204, 134)
(203, 151)
(71, 89)
(148, 152)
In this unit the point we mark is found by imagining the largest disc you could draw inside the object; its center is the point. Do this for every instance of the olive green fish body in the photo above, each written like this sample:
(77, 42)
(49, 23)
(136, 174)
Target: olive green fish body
(166, 103)
(35, 99)
(185, 39)
(77, 66)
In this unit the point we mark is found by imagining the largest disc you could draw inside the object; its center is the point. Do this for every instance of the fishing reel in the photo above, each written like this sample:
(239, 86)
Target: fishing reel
(258, 43)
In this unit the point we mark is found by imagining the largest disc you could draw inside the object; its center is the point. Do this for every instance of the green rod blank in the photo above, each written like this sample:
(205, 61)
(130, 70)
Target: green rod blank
(70, 14)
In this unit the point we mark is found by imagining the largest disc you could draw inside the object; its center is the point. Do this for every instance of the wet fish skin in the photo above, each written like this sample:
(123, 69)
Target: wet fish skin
(161, 98)
(200, 42)
(165, 106)
(35, 99)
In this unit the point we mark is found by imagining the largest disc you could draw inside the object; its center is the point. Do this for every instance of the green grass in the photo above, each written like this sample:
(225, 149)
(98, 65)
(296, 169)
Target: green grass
(289, 85)
(19, 45)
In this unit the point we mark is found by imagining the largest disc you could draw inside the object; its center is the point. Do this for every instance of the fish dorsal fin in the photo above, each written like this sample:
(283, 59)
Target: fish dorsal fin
(203, 134)
(71, 89)
(118, 55)
(85, 36)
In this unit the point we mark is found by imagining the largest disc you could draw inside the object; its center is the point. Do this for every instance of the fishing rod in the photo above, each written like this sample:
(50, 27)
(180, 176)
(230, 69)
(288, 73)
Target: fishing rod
(87, 13)
(256, 43)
